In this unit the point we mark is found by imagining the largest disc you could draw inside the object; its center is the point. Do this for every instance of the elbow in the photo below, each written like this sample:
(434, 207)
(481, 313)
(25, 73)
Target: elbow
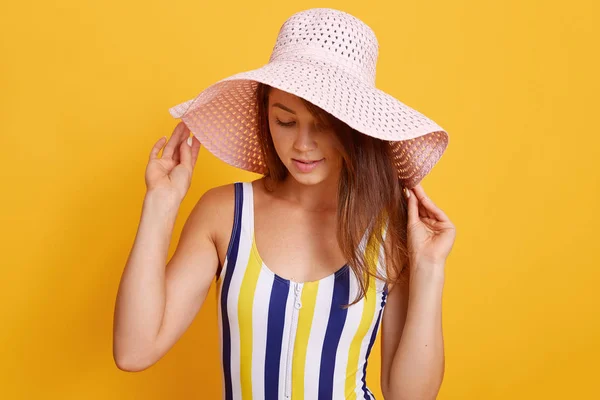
(129, 366)
(132, 361)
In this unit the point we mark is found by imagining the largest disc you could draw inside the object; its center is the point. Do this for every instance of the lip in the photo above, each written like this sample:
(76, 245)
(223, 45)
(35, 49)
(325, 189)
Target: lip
(305, 161)
(307, 165)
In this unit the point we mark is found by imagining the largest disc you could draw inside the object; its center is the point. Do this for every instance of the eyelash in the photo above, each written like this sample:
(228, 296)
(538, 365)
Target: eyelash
(287, 124)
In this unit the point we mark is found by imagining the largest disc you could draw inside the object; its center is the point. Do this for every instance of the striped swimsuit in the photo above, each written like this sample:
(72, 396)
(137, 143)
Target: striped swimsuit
(282, 339)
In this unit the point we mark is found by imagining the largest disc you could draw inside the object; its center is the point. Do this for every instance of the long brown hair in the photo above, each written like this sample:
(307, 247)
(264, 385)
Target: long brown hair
(368, 192)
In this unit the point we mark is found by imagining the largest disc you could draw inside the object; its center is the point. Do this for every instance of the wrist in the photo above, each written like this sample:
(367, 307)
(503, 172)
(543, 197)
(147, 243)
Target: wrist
(163, 196)
(428, 271)
(162, 202)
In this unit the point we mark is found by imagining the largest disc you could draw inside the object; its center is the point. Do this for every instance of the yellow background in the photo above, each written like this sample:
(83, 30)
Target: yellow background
(85, 89)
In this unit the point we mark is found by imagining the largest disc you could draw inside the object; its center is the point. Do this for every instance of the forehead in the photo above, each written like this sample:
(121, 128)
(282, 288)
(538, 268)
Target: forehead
(288, 100)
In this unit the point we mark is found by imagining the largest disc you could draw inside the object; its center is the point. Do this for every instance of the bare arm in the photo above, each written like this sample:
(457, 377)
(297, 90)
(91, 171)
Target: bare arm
(392, 326)
(191, 270)
(157, 302)
(141, 296)
(412, 342)
(415, 361)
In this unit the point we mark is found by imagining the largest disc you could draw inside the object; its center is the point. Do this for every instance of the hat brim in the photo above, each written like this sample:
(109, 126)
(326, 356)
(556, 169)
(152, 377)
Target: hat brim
(223, 115)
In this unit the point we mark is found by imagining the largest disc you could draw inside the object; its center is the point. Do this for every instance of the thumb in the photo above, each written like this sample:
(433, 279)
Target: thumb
(185, 152)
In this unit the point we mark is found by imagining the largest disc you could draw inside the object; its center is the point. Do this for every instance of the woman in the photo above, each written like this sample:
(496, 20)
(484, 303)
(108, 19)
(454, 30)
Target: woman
(313, 257)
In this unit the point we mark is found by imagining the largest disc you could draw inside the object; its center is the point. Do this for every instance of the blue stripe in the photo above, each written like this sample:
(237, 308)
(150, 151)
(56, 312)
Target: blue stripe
(373, 336)
(335, 325)
(232, 253)
(276, 320)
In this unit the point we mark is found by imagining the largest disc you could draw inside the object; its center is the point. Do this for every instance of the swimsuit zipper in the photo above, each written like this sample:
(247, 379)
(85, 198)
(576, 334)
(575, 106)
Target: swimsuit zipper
(293, 326)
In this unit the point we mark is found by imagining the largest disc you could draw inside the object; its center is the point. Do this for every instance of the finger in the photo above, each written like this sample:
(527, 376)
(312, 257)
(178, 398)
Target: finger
(178, 133)
(430, 207)
(185, 151)
(157, 146)
(177, 153)
(423, 212)
(413, 210)
(195, 150)
(184, 138)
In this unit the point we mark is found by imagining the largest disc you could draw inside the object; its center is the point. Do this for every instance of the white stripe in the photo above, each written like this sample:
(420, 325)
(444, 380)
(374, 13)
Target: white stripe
(220, 322)
(353, 318)
(248, 210)
(317, 336)
(259, 333)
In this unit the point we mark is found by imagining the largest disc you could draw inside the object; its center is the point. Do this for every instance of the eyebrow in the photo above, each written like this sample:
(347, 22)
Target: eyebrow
(283, 107)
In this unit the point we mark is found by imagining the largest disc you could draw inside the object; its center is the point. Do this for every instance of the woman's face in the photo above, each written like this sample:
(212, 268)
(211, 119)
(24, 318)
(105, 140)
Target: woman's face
(309, 150)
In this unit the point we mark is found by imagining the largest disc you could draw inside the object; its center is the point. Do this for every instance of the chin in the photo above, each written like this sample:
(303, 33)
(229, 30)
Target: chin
(308, 179)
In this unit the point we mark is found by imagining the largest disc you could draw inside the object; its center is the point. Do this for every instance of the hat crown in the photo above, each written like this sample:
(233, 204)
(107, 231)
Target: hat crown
(329, 37)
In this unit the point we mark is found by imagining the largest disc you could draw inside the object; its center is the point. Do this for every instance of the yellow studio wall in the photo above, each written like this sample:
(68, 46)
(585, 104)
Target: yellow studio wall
(85, 92)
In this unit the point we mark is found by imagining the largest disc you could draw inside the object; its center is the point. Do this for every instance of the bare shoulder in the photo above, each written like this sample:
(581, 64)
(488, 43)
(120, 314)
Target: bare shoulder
(217, 198)
(214, 209)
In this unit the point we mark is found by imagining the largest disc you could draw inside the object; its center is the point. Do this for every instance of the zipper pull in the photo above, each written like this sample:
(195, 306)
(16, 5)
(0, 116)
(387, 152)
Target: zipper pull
(297, 302)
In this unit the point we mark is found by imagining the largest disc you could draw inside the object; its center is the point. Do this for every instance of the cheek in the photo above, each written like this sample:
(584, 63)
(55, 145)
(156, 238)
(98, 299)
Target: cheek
(281, 140)
(334, 148)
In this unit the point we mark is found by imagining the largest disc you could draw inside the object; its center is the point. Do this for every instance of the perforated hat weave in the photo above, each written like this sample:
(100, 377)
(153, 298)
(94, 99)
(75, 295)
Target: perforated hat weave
(327, 57)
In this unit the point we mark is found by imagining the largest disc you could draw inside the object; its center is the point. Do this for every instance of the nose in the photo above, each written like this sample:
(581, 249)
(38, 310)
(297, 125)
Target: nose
(305, 140)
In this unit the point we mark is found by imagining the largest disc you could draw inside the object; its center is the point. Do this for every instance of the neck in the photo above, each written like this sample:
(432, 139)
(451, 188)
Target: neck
(318, 197)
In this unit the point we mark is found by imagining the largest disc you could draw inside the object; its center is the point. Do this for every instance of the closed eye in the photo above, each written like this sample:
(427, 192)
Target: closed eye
(284, 123)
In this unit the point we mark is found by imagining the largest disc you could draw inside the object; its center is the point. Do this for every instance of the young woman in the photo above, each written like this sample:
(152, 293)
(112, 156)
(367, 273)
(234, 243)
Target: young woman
(313, 257)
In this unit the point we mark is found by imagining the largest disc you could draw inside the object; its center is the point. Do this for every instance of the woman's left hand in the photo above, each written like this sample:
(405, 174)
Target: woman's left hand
(430, 232)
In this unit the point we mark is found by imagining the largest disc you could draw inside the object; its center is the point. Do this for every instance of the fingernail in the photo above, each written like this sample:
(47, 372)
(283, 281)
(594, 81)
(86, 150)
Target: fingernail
(189, 141)
(407, 193)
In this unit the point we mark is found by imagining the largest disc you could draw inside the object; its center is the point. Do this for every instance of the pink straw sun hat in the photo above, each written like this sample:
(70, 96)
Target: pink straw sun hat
(327, 57)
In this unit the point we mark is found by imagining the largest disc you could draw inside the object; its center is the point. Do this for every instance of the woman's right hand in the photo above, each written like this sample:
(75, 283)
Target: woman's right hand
(172, 173)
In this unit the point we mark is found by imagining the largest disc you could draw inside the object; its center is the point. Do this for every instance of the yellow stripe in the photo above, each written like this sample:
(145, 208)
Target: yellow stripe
(370, 302)
(305, 317)
(245, 303)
